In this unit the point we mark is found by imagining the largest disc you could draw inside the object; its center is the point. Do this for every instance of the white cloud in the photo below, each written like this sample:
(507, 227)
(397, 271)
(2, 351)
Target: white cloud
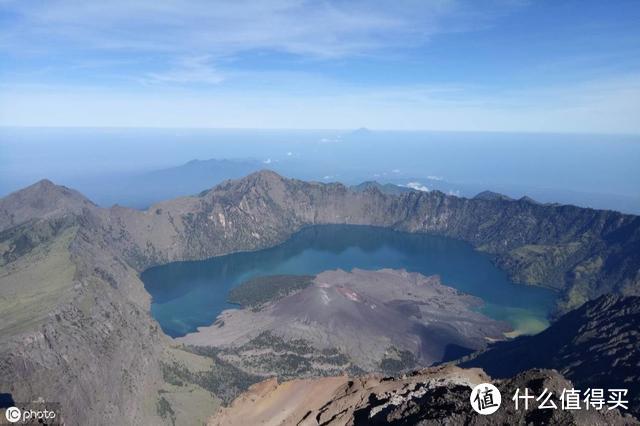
(195, 69)
(417, 186)
(305, 27)
(435, 178)
(330, 140)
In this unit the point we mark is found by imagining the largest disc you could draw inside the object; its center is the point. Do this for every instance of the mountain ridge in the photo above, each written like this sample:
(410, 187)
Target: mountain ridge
(582, 252)
(94, 326)
(583, 345)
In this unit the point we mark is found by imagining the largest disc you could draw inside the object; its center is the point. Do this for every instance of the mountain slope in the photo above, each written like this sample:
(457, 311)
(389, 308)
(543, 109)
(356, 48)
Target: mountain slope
(596, 345)
(93, 345)
(74, 317)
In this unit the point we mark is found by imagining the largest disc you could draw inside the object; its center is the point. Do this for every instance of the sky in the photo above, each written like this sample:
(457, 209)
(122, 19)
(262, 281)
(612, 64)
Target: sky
(465, 65)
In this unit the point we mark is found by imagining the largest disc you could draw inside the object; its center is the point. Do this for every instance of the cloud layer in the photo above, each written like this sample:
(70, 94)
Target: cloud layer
(222, 27)
(406, 64)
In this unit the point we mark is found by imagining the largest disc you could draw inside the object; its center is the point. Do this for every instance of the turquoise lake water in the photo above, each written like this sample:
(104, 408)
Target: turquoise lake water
(187, 295)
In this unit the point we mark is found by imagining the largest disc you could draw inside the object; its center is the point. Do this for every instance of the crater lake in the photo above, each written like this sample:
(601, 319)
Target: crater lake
(187, 295)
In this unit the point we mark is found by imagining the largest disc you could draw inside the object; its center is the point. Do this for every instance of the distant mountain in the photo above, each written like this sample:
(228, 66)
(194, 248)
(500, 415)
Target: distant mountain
(595, 346)
(362, 131)
(195, 173)
(142, 190)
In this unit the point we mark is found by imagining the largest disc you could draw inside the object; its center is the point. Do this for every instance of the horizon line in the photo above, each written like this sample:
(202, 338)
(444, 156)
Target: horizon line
(350, 130)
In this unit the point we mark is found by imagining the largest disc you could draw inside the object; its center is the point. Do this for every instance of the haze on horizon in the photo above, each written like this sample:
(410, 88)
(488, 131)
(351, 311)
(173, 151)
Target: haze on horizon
(493, 65)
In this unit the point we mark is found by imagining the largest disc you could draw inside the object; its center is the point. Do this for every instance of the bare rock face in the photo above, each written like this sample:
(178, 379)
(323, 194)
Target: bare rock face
(435, 396)
(74, 318)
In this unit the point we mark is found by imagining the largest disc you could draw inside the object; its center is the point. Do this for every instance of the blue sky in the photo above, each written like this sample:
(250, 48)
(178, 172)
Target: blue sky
(476, 65)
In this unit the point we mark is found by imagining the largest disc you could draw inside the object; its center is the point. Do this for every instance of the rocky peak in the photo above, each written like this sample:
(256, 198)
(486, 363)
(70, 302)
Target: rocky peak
(492, 196)
(43, 199)
(527, 199)
(264, 175)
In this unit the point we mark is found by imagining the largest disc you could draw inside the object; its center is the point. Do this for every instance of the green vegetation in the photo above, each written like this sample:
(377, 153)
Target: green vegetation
(269, 354)
(223, 379)
(173, 373)
(35, 281)
(268, 340)
(397, 361)
(164, 410)
(255, 292)
(233, 370)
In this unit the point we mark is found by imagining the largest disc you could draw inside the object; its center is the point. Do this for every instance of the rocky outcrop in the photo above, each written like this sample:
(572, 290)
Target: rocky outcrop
(595, 346)
(436, 396)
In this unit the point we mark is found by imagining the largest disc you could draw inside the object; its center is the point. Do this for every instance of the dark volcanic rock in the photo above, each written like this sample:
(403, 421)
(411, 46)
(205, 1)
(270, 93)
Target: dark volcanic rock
(449, 405)
(595, 346)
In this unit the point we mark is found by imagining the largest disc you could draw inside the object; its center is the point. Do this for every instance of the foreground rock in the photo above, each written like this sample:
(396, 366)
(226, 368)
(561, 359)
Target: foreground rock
(436, 396)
